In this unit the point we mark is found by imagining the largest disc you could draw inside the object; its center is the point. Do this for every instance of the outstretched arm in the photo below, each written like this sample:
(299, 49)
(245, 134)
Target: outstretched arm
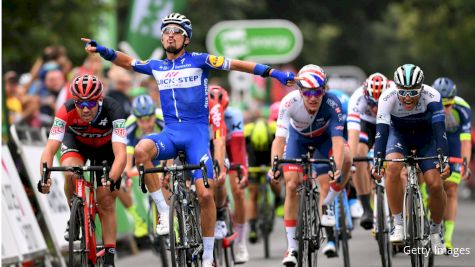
(285, 77)
(116, 57)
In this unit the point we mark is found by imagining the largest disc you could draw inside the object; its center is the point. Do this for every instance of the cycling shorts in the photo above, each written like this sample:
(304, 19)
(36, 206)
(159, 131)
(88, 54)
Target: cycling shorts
(367, 133)
(192, 138)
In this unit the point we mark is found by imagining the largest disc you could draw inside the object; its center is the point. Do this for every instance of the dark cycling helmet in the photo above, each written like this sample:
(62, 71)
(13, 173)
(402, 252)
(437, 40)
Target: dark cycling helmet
(86, 87)
(143, 106)
(177, 18)
(374, 86)
(446, 87)
(217, 95)
(409, 76)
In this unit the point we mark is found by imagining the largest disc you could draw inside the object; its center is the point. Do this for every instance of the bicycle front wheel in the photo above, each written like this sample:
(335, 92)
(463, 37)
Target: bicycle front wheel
(303, 251)
(78, 250)
(414, 231)
(383, 231)
(343, 229)
(267, 214)
(177, 233)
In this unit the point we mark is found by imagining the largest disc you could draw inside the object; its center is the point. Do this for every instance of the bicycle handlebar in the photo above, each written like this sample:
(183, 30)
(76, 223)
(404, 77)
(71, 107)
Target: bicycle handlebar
(172, 169)
(302, 161)
(412, 159)
(237, 167)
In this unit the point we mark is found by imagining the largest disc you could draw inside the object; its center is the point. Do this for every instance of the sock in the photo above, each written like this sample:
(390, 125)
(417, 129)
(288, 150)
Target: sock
(398, 219)
(162, 205)
(330, 198)
(110, 254)
(290, 227)
(365, 202)
(352, 194)
(208, 246)
(253, 224)
(435, 227)
(221, 214)
(133, 212)
(449, 227)
(240, 229)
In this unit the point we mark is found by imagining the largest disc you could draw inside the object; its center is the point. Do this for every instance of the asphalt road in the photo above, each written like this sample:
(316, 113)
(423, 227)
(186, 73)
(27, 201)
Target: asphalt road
(363, 248)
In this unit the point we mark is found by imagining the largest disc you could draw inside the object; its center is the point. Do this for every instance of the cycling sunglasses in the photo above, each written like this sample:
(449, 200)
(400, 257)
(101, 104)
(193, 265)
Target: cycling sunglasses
(82, 104)
(409, 92)
(173, 30)
(316, 92)
(448, 101)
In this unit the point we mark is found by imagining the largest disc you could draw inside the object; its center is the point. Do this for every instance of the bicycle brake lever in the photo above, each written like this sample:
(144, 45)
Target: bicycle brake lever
(141, 170)
(204, 173)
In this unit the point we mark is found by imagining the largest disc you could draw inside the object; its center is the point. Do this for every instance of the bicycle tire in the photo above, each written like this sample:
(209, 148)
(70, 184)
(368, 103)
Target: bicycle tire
(383, 231)
(413, 211)
(316, 234)
(157, 242)
(266, 209)
(229, 251)
(301, 228)
(194, 231)
(343, 230)
(77, 256)
(178, 254)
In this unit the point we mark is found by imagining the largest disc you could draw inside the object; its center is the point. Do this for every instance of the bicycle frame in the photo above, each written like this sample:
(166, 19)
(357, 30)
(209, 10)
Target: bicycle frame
(413, 183)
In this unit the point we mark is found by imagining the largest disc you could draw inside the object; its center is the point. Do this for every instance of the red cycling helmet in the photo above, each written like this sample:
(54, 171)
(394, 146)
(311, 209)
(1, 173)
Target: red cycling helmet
(86, 87)
(375, 85)
(217, 95)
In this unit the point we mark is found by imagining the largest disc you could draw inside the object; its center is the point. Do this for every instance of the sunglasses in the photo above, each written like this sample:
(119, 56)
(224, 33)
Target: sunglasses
(173, 30)
(409, 92)
(82, 104)
(447, 102)
(316, 92)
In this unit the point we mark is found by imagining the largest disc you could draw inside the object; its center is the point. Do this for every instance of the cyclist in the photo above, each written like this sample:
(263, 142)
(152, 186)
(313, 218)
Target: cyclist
(228, 139)
(361, 124)
(458, 129)
(410, 116)
(182, 79)
(310, 116)
(145, 119)
(90, 126)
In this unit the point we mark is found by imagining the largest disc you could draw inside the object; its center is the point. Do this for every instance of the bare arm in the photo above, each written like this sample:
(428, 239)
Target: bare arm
(338, 146)
(466, 149)
(50, 150)
(278, 147)
(120, 160)
(220, 152)
(353, 140)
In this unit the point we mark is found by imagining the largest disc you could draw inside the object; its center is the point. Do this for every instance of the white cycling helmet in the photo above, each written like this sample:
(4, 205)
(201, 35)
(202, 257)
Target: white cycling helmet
(409, 76)
(312, 76)
(177, 18)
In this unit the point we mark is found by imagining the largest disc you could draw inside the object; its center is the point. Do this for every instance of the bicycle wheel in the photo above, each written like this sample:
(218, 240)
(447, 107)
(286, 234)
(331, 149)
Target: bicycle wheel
(193, 232)
(417, 259)
(78, 251)
(177, 233)
(267, 214)
(229, 251)
(159, 246)
(383, 231)
(302, 259)
(343, 229)
(316, 233)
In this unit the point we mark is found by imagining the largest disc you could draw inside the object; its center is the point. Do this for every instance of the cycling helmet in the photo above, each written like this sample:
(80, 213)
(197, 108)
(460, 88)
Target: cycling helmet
(217, 95)
(408, 76)
(446, 87)
(312, 76)
(374, 86)
(274, 111)
(143, 106)
(86, 87)
(177, 18)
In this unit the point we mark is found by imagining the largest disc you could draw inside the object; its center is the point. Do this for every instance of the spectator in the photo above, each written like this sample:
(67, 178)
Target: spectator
(120, 84)
(54, 82)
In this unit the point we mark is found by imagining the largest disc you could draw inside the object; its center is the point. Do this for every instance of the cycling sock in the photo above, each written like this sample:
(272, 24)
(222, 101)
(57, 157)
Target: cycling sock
(253, 224)
(365, 202)
(208, 246)
(330, 234)
(162, 205)
(240, 229)
(398, 219)
(290, 226)
(449, 227)
(109, 255)
(132, 210)
(221, 213)
(435, 227)
(330, 198)
(352, 194)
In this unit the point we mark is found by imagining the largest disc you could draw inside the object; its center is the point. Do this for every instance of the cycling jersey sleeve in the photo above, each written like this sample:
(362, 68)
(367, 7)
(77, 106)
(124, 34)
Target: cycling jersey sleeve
(438, 124)
(144, 67)
(118, 116)
(59, 124)
(336, 116)
(353, 120)
(213, 62)
(383, 120)
(465, 114)
(216, 117)
(283, 120)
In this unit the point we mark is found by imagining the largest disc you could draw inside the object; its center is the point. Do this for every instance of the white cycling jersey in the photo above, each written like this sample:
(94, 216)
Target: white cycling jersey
(358, 109)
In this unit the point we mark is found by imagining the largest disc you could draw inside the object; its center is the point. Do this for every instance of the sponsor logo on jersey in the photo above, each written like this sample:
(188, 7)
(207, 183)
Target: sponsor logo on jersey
(119, 128)
(216, 115)
(58, 126)
(185, 78)
(103, 122)
(215, 61)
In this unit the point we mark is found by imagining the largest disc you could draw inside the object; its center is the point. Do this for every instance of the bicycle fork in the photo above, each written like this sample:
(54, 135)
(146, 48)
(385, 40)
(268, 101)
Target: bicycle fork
(418, 198)
(349, 221)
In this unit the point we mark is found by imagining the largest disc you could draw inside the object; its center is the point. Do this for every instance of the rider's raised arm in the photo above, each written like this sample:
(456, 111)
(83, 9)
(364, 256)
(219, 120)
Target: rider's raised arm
(285, 77)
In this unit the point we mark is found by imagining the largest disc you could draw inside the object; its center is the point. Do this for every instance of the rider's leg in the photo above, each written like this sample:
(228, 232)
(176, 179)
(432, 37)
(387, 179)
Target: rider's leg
(363, 187)
(451, 188)
(437, 197)
(395, 194)
(125, 197)
(251, 208)
(240, 226)
(70, 159)
(208, 216)
(106, 210)
(291, 206)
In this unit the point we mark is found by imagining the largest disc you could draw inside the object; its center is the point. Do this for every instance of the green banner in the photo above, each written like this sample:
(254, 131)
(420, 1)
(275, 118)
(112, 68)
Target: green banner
(145, 18)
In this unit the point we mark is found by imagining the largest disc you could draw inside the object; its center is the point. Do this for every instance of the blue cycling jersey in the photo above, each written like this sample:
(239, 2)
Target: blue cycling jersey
(183, 84)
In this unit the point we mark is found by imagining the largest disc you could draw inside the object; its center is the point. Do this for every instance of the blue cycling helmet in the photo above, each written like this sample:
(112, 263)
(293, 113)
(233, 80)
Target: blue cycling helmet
(446, 87)
(143, 106)
(409, 76)
(177, 18)
(343, 97)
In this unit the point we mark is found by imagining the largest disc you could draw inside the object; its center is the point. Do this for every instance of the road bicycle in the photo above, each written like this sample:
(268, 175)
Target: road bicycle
(382, 218)
(343, 225)
(265, 206)
(416, 224)
(186, 244)
(83, 247)
(309, 232)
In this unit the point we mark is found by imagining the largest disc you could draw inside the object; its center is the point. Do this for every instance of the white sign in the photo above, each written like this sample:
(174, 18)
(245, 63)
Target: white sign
(18, 211)
(10, 251)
